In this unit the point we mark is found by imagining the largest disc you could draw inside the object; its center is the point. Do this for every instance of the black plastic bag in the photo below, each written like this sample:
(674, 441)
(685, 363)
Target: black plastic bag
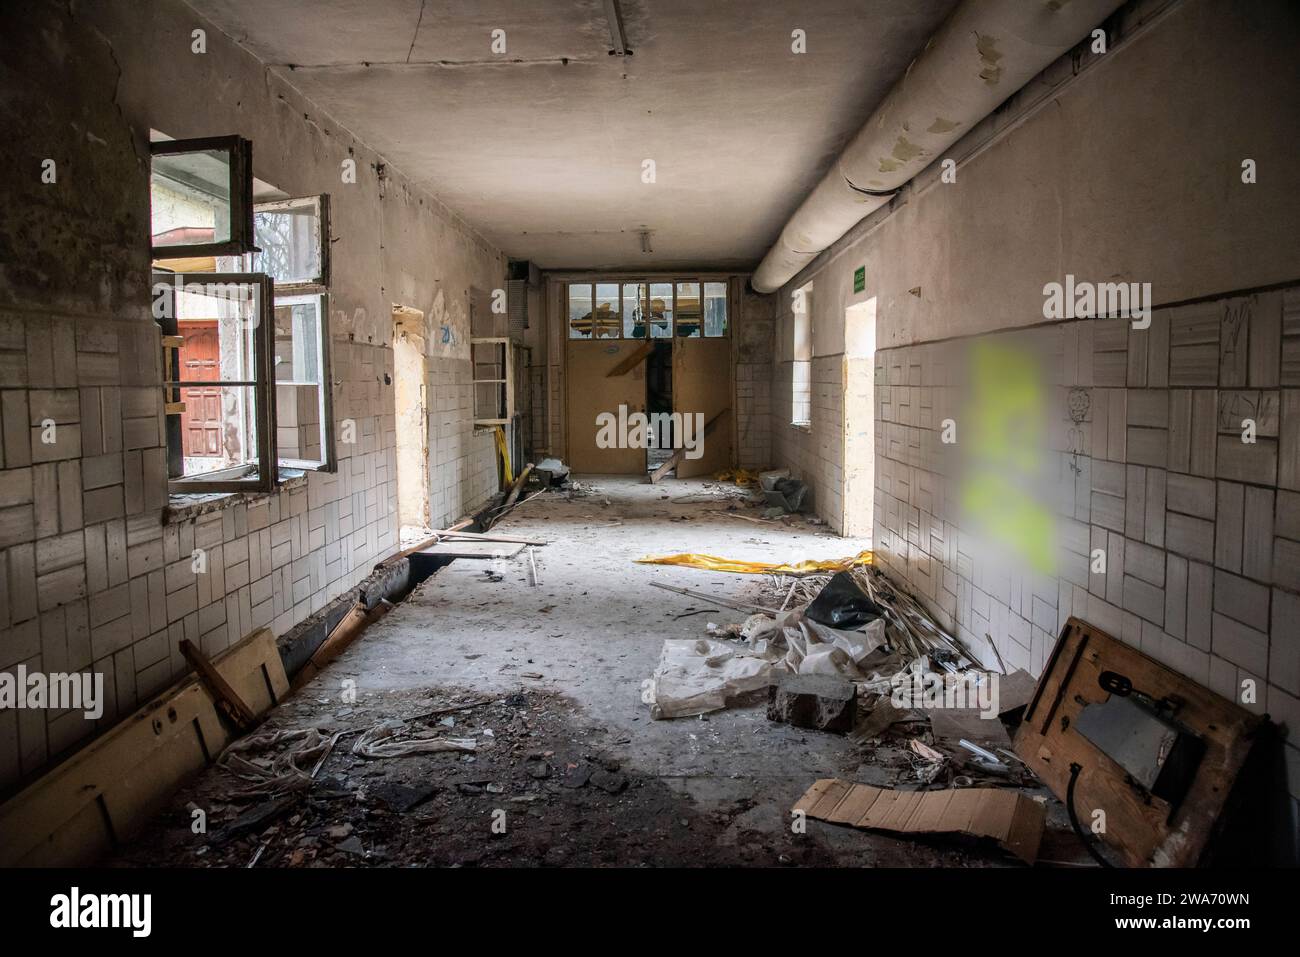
(843, 604)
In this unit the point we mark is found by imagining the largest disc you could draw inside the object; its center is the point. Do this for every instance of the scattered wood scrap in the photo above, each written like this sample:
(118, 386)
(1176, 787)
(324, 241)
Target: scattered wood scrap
(631, 361)
(512, 497)
(105, 793)
(675, 459)
(345, 632)
(230, 706)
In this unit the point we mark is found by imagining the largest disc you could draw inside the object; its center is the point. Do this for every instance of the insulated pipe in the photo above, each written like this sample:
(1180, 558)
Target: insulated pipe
(984, 52)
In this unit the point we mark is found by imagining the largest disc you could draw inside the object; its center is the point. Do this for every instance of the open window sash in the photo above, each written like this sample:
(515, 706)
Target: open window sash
(303, 393)
(194, 180)
(246, 403)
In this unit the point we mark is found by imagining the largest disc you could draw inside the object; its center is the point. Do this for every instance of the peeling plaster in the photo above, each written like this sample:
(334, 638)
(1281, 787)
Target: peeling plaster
(991, 72)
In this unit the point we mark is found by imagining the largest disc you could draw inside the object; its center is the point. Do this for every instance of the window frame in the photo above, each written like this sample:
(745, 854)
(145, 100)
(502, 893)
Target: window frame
(262, 386)
(328, 462)
(241, 196)
(322, 203)
(642, 284)
(297, 290)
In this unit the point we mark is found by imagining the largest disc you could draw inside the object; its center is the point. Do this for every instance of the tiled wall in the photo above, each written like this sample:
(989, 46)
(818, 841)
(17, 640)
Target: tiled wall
(97, 567)
(463, 460)
(814, 453)
(753, 414)
(1199, 529)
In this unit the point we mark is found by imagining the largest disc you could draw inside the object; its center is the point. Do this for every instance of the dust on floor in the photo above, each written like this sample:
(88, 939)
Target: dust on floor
(568, 758)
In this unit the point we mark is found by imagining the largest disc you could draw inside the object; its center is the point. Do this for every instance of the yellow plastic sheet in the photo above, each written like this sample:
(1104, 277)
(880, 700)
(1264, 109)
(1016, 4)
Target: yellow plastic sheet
(713, 563)
(505, 454)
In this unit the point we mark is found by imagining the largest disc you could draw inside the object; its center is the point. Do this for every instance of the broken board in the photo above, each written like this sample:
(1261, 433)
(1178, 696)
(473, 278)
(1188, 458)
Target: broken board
(471, 549)
(106, 792)
(1139, 826)
(1016, 822)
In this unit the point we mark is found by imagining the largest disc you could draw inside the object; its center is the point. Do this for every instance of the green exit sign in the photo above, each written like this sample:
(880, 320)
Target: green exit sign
(860, 279)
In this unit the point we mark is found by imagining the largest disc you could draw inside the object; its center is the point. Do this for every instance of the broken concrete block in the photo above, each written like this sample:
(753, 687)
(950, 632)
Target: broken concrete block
(820, 702)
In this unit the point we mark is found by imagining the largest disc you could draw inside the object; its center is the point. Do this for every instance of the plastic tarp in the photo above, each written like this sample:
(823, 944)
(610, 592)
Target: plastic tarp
(713, 563)
(695, 676)
(808, 647)
(698, 675)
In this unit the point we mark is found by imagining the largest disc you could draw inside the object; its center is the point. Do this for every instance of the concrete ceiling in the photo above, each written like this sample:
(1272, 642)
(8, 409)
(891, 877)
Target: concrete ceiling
(541, 148)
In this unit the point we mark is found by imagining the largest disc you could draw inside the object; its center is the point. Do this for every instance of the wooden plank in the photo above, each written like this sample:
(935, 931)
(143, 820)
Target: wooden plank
(513, 497)
(632, 361)
(473, 549)
(229, 705)
(349, 628)
(481, 537)
(679, 454)
(107, 791)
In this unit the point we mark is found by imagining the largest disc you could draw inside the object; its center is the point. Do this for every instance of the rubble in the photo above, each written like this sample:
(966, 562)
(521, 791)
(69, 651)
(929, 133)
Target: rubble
(819, 702)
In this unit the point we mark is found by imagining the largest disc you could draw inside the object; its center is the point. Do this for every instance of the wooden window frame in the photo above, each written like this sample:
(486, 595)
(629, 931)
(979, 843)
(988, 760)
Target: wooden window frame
(241, 196)
(235, 478)
(329, 460)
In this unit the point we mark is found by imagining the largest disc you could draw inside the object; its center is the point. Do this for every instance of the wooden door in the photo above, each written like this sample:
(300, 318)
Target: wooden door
(200, 358)
(702, 383)
(593, 391)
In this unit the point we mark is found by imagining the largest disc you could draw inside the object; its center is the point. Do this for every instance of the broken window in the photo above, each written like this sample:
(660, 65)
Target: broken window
(581, 324)
(293, 249)
(634, 310)
(688, 310)
(302, 396)
(715, 309)
(640, 310)
(241, 296)
(609, 315)
(660, 310)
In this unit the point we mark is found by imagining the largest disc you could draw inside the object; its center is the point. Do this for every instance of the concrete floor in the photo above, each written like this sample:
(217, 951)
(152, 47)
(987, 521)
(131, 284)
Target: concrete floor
(577, 648)
(594, 626)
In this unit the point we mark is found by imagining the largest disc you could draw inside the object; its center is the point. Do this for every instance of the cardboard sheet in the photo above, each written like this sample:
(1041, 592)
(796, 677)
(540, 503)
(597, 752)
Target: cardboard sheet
(1008, 817)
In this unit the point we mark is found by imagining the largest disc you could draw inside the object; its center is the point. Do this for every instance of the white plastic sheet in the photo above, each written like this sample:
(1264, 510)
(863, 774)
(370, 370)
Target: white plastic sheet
(698, 675)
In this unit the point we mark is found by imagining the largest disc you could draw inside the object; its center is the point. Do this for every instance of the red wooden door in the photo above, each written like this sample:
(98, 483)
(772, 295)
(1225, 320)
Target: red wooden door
(201, 360)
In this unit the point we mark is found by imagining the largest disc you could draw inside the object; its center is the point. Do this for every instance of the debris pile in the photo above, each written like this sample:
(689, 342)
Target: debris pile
(851, 653)
(856, 626)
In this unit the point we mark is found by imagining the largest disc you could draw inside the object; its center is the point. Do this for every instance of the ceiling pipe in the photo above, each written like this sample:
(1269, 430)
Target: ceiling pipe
(984, 52)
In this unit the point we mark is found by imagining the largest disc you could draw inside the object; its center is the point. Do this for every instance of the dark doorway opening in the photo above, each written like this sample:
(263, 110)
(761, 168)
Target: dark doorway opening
(659, 402)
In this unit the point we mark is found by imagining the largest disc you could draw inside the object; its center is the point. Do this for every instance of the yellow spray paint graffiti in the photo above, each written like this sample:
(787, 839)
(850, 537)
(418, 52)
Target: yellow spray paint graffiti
(1006, 445)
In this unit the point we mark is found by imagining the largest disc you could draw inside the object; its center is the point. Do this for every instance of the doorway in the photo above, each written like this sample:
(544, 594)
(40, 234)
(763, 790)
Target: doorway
(659, 399)
(859, 418)
(412, 419)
